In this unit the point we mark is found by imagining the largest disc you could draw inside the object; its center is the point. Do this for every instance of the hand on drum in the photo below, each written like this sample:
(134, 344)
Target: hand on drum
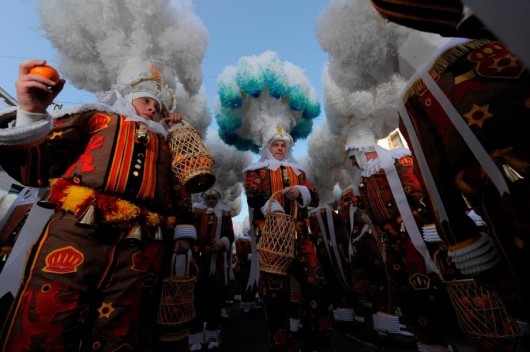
(291, 193)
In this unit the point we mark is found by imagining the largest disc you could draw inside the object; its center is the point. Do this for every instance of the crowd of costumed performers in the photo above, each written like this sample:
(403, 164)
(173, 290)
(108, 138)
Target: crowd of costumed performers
(464, 117)
(122, 239)
(265, 105)
(92, 277)
(422, 260)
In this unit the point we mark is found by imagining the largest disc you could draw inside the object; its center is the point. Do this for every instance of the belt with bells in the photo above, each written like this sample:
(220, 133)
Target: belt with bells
(92, 207)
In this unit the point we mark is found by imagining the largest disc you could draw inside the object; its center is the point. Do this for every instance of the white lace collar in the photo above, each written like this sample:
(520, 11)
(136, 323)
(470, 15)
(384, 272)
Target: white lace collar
(384, 157)
(268, 161)
(120, 106)
(217, 210)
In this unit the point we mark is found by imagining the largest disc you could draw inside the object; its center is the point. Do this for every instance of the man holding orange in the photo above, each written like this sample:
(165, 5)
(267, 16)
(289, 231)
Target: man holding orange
(117, 211)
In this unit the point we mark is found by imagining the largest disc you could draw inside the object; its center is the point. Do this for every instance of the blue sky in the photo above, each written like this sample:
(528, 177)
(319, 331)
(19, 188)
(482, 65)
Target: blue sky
(236, 28)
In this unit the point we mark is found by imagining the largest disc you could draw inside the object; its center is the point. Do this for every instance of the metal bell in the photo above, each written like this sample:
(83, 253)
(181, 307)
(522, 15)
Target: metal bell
(402, 228)
(3, 260)
(134, 236)
(141, 133)
(88, 218)
(158, 234)
(468, 203)
(44, 202)
(511, 173)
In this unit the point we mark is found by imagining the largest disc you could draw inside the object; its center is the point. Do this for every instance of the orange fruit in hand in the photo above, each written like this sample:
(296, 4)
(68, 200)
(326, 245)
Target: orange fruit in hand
(46, 71)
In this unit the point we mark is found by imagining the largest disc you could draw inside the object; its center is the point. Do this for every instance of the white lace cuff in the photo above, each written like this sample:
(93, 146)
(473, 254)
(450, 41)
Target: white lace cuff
(25, 118)
(476, 258)
(276, 207)
(26, 133)
(185, 232)
(469, 248)
(306, 196)
(226, 242)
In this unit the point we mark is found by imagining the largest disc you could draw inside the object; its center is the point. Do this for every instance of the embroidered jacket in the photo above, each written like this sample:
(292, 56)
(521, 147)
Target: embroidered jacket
(100, 151)
(212, 225)
(261, 183)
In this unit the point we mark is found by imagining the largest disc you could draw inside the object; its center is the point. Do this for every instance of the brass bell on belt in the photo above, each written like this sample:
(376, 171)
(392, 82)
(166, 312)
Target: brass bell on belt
(44, 202)
(285, 177)
(158, 234)
(141, 133)
(88, 218)
(134, 236)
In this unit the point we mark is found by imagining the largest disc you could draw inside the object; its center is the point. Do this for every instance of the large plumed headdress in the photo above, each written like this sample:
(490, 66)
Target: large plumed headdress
(259, 94)
(95, 40)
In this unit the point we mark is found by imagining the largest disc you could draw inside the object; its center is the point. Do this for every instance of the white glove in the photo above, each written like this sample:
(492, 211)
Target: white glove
(476, 258)
(276, 207)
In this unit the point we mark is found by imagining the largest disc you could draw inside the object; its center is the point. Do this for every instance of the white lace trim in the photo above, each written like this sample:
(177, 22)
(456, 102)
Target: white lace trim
(120, 107)
(274, 164)
(374, 165)
(26, 134)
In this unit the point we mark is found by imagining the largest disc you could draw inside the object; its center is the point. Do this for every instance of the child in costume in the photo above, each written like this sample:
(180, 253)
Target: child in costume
(117, 211)
(215, 235)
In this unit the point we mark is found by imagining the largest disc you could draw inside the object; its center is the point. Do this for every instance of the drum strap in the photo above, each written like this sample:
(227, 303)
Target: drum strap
(400, 197)
(337, 263)
(468, 136)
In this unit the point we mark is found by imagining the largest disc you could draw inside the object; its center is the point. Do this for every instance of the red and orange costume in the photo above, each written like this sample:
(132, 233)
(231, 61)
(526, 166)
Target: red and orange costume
(466, 115)
(369, 275)
(331, 237)
(91, 283)
(261, 182)
(245, 255)
(211, 289)
(397, 207)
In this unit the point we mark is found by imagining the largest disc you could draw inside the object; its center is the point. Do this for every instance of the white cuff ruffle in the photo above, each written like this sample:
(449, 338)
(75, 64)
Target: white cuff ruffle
(26, 134)
(226, 242)
(476, 258)
(306, 196)
(185, 232)
(276, 207)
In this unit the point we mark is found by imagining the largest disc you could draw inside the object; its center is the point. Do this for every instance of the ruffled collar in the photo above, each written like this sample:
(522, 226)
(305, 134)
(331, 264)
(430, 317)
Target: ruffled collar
(273, 165)
(384, 157)
(268, 161)
(217, 210)
(119, 106)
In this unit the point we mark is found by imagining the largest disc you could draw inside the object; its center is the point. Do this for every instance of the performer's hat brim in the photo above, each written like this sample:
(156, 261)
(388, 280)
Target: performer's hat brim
(440, 17)
(139, 79)
(277, 133)
(211, 193)
(360, 140)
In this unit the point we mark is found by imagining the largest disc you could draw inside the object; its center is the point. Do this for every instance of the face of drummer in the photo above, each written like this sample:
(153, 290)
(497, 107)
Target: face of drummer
(147, 107)
(278, 150)
(210, 201)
